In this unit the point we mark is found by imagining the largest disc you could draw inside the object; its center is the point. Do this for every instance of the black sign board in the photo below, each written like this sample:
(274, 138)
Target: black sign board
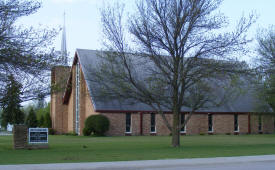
(38, 135)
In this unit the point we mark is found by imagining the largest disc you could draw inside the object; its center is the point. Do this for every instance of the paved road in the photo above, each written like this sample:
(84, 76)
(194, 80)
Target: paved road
(265, 162)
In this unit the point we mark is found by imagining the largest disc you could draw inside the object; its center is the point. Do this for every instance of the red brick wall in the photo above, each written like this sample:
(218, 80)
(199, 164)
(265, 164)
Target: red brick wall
(254, 124)
(268, 124)
(117, 124)
(71, 103)
(59, 111)
(161, 128)
(223, 123)
(198, 124)
(82, 100)
(243, 123)
(135, 123)
(146, 124)
(71, 109)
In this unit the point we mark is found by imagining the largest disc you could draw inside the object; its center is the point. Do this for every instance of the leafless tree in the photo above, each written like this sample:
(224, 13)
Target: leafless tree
(266, 50)
(172, 55)
(25, 52)
(266, 68)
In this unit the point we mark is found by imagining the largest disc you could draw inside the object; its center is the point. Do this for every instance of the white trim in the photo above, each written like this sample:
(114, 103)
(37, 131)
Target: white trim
(184, 131)
(238, 129)
(154, 131)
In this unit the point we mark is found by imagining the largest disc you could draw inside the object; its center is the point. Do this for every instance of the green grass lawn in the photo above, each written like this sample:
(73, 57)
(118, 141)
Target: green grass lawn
(95, 149)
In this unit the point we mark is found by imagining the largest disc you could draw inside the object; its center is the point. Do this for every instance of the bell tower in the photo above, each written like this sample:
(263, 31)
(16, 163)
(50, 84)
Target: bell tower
(59, 77)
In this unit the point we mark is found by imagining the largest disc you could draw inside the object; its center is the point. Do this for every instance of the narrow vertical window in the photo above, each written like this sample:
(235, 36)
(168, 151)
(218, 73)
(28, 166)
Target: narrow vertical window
(128, 123)
(182, 119)
(260, 123)
(210, 123)
(153, 123)
(236, 123)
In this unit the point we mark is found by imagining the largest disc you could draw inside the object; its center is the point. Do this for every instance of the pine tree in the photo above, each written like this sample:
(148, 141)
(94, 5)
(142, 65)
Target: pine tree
(41, 121)
(10, 103)
(31, 121)
(48, 120)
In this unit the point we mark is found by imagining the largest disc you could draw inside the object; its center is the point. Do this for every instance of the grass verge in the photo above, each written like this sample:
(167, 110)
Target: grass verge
(65, 149)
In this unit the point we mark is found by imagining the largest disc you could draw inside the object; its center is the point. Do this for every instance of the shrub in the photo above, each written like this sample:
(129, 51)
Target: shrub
(71, 134)
(96, 124)
(52, 131)
(86, 131)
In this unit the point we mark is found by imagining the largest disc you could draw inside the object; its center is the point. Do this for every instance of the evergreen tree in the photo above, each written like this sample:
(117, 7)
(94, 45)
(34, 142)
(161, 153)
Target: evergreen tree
(10, 103)
(41, 121)
(0, 116)
(48, 120)
(31, 121)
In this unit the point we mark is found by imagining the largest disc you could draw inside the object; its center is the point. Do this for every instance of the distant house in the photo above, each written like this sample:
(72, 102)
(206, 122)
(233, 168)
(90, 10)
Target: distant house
(8, 128)
(71, 105)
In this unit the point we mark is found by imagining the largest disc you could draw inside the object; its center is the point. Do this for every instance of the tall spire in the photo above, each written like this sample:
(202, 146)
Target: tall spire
(64, 44)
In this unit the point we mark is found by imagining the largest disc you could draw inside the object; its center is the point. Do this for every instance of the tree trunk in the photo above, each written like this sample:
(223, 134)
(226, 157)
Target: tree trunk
(175, 130)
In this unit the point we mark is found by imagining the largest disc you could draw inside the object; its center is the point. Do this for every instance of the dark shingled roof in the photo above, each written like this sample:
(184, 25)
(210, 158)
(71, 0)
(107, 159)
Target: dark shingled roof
(89, 60)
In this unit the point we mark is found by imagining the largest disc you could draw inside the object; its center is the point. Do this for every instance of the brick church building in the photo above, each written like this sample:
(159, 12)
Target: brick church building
(72, 102)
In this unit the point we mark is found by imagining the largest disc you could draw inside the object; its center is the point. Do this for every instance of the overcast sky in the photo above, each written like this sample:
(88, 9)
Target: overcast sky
(83, 27)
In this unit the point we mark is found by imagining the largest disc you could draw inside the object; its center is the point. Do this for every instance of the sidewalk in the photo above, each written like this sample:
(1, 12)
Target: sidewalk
(151, 164)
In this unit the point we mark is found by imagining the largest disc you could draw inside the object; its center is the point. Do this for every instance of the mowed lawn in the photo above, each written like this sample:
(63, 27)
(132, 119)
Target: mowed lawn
(95, 149)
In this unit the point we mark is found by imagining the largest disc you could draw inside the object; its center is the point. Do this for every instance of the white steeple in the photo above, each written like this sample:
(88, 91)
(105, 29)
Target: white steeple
(64, 44)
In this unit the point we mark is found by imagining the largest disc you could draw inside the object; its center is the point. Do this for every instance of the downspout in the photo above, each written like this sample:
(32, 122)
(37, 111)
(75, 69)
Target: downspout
(249, 125)
(141, 123)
